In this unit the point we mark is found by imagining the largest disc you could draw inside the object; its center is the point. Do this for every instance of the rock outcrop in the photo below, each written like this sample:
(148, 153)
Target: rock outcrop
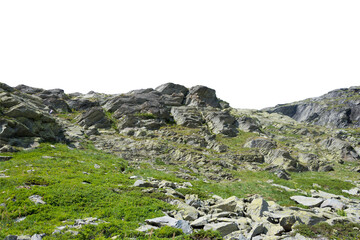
(339, 108)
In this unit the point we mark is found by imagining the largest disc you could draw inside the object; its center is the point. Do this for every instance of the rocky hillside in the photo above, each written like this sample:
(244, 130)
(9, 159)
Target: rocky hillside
(338, 109)
(189, 138)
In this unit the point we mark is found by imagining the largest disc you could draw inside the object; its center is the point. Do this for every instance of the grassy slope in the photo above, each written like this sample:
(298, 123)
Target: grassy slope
(56, 174)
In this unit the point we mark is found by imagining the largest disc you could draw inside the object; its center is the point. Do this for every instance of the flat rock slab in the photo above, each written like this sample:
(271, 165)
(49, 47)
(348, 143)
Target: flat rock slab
(307, 201)
(333, 203)
(162, 221)
(224, 228)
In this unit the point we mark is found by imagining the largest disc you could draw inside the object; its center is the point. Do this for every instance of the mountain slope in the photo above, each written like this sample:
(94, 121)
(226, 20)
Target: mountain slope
(339, 108)
(166, 151)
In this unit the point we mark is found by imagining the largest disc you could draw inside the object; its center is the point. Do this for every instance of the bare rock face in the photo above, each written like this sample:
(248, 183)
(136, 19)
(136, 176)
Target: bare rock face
(94, 117)
(222, 122)
(339, 108)
(201, 96)
(344, 150)
(26, 119)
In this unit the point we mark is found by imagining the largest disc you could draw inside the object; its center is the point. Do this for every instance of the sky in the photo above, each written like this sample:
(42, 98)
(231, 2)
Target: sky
(255, 54)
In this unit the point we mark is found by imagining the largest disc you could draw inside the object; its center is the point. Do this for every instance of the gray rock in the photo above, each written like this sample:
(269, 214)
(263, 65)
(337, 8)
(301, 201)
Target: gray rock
(338, 108)
(333, 203)
(282, 158)
(265, 144)
(307, 201)
(224, 228)
(228, 205)
(37, 199)
(94, 117)
(162, 221)
(142, 183)
(256, 208)
(200, 222)
(257, 229)
(353, 191)
(287, 222)
(343, 148)
(171, 88)
(222, 122)
(188, 117)
(201, 96)
(184, 226)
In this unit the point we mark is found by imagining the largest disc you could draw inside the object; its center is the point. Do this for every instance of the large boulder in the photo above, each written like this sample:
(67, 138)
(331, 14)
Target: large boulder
(340, 147)
(26, 120)
(265, 145)
(282, 158)
(187, 116)
(94, 117)
(201, 96)
(221, 122)
(171, 88)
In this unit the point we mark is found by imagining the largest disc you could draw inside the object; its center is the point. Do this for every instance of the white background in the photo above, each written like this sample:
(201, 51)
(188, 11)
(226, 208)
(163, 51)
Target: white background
(254, 53)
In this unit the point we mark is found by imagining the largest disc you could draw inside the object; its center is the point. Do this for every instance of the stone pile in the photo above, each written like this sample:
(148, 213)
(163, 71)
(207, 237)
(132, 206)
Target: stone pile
(252, 217)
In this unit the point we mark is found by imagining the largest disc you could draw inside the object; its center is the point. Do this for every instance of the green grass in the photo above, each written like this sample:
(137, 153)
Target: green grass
(58, 177)
(56, 172)
(348, 231)
(236, 144)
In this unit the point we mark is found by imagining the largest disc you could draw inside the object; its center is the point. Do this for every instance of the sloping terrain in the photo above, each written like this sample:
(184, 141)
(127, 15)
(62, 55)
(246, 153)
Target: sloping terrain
(86, 166)
(339, 108)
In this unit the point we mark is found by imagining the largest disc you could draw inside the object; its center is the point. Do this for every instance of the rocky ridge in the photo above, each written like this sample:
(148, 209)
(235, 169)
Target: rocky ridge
(339, 108)
(193, 129)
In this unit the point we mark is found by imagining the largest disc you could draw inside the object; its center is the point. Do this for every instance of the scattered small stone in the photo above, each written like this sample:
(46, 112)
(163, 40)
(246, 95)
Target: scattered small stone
(20, 219)
(37, 199)
(96, 166)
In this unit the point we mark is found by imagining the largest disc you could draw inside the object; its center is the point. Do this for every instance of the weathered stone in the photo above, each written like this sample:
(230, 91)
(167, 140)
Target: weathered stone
(256, 208)
(223, 227)
(94, 117)
(201, 96)
(333, 203)
(200, 222)
(188, 117)
(287, 222)
(343, 148)
(37, 199)
(353, 191)
(162, 221)
(222, 122)
(308, 218)
(264, 144)
(184, 226)
(142, 183)
(307, 201)
(227, 204)
(257, 229)
(279, 157)
(171, 88)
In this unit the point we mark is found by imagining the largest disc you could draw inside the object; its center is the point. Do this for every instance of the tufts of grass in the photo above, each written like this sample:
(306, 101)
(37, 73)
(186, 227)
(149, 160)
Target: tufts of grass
(346, 231)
